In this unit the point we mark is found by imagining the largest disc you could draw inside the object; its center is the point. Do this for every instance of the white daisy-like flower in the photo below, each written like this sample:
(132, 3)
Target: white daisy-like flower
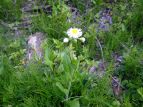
(66, 40)
(82, 39)
(74, 33)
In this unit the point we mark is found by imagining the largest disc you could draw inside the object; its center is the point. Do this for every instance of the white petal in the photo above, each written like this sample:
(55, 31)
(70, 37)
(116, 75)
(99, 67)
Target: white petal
(82, 39)
(80, 30)
(80, 34)
(66, 40)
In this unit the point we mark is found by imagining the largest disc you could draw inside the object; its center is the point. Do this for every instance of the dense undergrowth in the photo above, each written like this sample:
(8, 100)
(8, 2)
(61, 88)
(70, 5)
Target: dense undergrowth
(62, 78)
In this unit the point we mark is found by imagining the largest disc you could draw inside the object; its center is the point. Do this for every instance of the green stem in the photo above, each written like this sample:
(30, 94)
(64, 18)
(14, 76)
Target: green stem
(101, 49)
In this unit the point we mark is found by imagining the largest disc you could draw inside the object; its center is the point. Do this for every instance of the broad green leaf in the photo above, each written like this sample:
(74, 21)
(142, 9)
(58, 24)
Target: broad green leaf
(1, 69)
(65, 59)
(74, 103)
(123, 27)
(49, 58)
(60, 86)
(140, 91)
(58, 43)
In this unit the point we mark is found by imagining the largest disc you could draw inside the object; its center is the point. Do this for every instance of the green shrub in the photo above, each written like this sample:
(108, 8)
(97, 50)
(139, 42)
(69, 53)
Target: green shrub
(10, 10)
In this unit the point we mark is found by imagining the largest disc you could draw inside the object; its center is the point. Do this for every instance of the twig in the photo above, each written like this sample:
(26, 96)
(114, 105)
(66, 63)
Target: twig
(100, 46)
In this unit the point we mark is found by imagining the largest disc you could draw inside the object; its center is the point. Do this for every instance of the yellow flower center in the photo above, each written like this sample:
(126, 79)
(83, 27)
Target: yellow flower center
(74, 31)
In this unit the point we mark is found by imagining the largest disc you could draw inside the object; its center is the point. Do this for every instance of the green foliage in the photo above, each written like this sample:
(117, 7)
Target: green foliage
(131, 73)
(7, 12)
(33, 87)
(62, 78)
(140, 91)
(135, 24)
(52, 25)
